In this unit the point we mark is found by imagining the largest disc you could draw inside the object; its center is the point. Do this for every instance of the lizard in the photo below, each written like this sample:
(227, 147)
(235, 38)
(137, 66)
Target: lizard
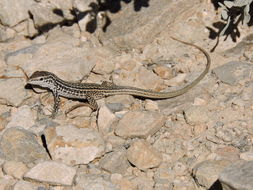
(93, 91)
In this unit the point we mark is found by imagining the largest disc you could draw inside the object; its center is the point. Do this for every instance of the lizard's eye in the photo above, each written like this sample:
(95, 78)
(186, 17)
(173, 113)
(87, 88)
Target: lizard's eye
(41, 79)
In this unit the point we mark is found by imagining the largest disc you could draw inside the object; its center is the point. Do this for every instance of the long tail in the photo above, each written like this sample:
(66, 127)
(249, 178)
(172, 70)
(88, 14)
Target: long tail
(163, 95)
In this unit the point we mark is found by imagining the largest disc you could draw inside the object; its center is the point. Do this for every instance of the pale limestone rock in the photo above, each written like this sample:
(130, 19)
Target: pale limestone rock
(95, 182)
(52, 172)
(247, 156)
(104, 61)
(6, 182)
(24, 185)
(139, 124)
(151, 105)
(61, 50)
(6, 33)
(11, 87)
(207, 172)
(15, 169)
(43, 14)
(163, 71)
(196, 115)
(139, 77)
(151, 20)
(83, 6)
(143, 182)
(72, 145)
(115, 162)
(238, 176)
(233, 72)
(124, 183)
(164, 176)
(105, 120)
(13, 12)
(143, 155)
(177, 80)
(22, 117)
(21, 145)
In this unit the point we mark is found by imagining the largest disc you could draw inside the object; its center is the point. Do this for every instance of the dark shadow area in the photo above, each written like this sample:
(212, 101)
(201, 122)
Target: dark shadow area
(44, 143)
(236, 16)
(216, 186)
(215, 3)
(112, 6)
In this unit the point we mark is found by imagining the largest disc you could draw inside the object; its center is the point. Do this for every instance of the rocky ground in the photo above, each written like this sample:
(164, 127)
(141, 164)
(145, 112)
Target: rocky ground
(200, 140)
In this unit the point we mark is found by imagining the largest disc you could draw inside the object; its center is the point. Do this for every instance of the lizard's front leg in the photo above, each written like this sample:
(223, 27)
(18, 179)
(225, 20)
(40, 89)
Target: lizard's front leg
(56, 103)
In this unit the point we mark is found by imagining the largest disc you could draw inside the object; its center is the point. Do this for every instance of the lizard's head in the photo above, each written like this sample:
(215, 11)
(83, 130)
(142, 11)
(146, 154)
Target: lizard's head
(42, 79)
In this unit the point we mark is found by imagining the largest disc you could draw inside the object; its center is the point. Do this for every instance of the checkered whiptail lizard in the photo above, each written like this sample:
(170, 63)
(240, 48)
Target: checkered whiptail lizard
(92, 91)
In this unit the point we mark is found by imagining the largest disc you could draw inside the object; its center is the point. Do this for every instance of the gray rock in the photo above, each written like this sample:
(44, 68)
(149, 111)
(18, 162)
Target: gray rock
(20, 145)
(115, 162)
(238, 176)
(233, 72)
(52, 172)
(207, 172)
(115, 107)
(95, 182)
(139, 124)
(13, 12)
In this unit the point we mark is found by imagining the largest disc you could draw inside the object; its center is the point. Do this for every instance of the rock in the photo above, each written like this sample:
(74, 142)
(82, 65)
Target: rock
(233, 72)
(121, 102)
(151, 105)
(6, 182)
(12, 86)
(206, 173)
(104, 61)
(13, 12)
(143, 182)
(24, 185)
(124, 183)
(72, 145)
(15, 169)
(43, 15)
(139, 124)
(164, 176)
(196, 115)
(54, 173)
(83, 6)
(137, 76)
(61, 49)
(247, 156)
(94, 182)
(143, 155)
(177, 80)
(6, 33)
(65, 6)
(238, 176)
(21, 145)
(163, 71)
(115, 162)
(115, 141)
(105, 120)
(22, 117)
(151, 21)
